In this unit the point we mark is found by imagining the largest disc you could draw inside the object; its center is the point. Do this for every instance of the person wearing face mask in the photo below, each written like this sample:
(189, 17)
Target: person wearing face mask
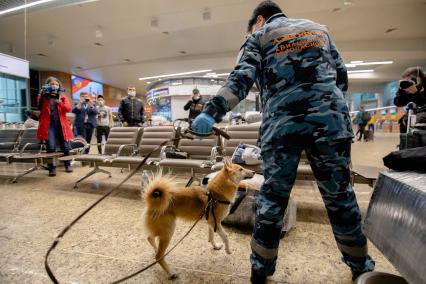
(195, 105)
(53, 123)
(85, 117)
(412, 89)
(104, 122)
(131, 109)
(301, 78)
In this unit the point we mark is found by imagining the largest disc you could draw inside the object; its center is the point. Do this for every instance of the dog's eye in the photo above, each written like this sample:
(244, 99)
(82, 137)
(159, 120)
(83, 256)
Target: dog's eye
(241, 169)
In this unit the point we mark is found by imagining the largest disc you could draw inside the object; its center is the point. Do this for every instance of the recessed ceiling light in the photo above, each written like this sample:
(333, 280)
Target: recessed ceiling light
(41, 54)
(176, 74)
(361, 71)
(127, 60)
(356, 61)
(182, 52)
(148, 82)
(98, 32)
(25, 6)
(375, 63)
(336, 10)
(390, 30)
(348, 2)
(176, 83)
(166, 33)
(79, 67)
(98, 44)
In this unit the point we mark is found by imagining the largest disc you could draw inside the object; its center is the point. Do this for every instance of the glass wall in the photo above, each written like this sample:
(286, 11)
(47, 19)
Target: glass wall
(13, 98)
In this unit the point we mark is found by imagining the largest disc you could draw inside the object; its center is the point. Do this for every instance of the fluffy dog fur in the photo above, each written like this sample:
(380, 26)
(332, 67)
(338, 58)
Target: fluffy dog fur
(165, 201)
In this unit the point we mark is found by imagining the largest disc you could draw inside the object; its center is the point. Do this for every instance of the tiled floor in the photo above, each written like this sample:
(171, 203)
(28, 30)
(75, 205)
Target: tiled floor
(110, 242)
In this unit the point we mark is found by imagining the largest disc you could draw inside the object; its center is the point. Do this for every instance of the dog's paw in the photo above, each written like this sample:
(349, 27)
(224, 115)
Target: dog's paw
(217, 247)
(173, 276)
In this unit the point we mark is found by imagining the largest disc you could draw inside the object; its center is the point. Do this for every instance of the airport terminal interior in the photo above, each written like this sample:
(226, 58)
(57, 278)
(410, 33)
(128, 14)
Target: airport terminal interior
(132, 131)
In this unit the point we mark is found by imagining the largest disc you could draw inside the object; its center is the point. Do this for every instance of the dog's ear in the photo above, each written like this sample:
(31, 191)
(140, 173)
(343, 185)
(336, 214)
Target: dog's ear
(226, 163)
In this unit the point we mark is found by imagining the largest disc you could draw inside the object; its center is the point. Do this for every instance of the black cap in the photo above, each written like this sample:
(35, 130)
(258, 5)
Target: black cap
(195, 91)
(100, 96)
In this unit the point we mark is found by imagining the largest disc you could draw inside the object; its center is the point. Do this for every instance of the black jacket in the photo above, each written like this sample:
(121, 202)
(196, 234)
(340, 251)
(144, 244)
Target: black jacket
(402, 98)
(195, 107)
(131, 111)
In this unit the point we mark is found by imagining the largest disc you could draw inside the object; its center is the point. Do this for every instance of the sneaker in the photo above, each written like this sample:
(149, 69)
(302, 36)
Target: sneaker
(68, 169)
(52, 172)
(257, 278)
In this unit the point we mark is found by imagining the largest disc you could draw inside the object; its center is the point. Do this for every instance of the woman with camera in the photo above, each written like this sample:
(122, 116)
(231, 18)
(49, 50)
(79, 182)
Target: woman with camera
(411, 92)
(53, 123)
(412, 89)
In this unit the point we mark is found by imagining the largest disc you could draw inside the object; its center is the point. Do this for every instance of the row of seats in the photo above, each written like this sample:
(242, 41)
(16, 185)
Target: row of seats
(126, 147)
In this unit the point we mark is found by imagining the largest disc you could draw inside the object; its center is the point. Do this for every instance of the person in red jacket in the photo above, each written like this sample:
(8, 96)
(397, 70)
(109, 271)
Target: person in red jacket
(53, 123)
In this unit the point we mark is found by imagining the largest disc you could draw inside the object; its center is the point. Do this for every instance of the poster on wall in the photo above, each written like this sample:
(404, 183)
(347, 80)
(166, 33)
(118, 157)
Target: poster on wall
(79, 85)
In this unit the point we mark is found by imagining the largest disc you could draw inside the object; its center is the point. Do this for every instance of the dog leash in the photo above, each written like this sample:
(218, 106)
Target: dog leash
(132, 173)
(69, 226)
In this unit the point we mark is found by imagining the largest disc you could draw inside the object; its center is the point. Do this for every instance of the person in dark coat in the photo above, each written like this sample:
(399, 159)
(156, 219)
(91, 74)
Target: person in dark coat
(195, 105)
(85, 117)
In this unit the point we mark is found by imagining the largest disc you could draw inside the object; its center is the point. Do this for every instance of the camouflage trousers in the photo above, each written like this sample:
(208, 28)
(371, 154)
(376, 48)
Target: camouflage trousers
(330, 164)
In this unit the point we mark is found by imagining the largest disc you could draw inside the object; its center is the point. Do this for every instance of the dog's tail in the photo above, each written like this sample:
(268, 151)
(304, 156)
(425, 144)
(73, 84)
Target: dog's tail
(157, 194)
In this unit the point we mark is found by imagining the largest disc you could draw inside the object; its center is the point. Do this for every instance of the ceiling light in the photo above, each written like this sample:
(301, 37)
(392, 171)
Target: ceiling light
(148, 82)
(361, 71)
(176, 83)
(98, 32)
(25, 6)
(223, 74)
(98, 44)
(356, 61)
(212, 80)
(348, 3)
(350, 65)
(210, 73)
(375, 63)
(176, 74)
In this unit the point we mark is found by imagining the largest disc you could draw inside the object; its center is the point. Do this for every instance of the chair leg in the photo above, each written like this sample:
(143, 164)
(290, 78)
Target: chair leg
(92, 172)
(36, 167)
(190, 181)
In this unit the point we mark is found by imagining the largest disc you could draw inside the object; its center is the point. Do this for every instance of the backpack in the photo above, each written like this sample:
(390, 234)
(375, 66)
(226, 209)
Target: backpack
(365, 116)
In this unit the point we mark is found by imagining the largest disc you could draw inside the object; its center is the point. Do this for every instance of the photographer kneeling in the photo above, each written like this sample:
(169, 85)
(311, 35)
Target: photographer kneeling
(53, 123)
(412, 89)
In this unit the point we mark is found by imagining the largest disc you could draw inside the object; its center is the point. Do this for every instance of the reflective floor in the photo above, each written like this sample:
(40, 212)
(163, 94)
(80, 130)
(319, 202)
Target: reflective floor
(110, 242)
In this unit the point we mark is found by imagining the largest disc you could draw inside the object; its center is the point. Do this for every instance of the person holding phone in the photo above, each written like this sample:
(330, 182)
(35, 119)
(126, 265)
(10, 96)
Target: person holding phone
(53, 123)
(85, 117)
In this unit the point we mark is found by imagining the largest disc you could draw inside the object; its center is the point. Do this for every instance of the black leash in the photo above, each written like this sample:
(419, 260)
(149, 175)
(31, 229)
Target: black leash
(66, 229)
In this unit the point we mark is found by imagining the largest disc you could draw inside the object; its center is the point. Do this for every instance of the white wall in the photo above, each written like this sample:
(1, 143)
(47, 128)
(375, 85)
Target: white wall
(177, 107)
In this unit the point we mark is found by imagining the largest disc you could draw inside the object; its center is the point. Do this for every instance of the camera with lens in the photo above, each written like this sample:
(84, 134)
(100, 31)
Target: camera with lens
(405, 84)
(52, 91)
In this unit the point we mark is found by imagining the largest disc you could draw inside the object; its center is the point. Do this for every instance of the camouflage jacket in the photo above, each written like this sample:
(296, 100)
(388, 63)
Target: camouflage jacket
(301, 77)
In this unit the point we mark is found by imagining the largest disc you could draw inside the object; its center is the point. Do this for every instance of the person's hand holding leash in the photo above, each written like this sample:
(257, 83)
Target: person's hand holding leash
(203, 123)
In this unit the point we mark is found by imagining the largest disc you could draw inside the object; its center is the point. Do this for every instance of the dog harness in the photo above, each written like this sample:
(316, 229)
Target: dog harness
(211, 204)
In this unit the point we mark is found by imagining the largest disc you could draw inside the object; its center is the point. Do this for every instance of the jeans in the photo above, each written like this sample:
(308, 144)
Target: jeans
(100, 132)
(86, 131)
(55, 134)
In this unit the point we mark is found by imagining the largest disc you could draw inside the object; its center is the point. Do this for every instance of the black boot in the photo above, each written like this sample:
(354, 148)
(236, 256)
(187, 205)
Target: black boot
(257, 278)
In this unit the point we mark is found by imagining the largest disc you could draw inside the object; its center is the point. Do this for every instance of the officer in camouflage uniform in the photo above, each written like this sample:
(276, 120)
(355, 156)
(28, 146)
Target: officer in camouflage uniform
(302, 78)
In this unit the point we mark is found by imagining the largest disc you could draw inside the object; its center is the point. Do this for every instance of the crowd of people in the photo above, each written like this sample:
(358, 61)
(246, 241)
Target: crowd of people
(90, 114)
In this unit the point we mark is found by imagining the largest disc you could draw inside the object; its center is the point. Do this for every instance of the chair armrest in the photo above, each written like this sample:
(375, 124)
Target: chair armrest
(29, 144)
(120, 149)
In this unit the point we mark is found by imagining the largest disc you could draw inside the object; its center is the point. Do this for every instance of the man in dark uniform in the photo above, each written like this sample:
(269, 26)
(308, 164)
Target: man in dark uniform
(195, 105)
(302, 78)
